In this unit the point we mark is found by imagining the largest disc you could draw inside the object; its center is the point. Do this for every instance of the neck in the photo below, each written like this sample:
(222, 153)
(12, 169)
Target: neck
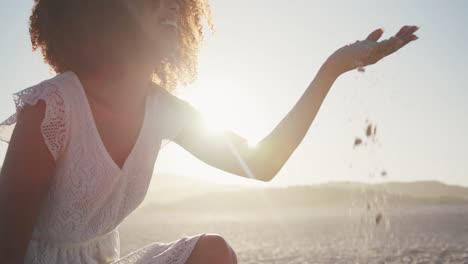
(118, 86)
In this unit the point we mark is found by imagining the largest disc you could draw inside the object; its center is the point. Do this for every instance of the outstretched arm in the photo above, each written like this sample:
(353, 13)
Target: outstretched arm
(231, 153)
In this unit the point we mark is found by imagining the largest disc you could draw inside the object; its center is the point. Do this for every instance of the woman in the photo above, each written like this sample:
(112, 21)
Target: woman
(82, 145)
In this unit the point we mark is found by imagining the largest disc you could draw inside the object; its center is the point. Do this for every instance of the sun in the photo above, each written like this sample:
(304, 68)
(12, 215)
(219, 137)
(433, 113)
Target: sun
(222, 109)
(226, 103)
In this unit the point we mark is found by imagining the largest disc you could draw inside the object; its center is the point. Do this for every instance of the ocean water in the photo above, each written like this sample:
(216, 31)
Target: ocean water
(404, 234)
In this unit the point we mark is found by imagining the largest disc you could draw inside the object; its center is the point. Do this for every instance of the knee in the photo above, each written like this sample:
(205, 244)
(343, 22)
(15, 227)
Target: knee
(215, 249)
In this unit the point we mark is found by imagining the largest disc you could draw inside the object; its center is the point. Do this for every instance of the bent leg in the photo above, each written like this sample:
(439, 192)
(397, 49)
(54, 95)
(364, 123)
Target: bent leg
(212, 249)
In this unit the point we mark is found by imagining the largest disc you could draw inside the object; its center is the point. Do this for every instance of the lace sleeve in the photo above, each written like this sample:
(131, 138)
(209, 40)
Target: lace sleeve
(54, 127)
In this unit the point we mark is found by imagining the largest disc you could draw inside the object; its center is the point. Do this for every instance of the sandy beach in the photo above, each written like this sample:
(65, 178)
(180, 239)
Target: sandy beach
(427, 233)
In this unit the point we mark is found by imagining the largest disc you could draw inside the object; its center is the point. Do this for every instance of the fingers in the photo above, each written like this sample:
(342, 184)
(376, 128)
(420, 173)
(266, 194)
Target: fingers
(402, 31)
(376, 34)
(406, 31)
(407, 35)
(403, 37)
(408, 39)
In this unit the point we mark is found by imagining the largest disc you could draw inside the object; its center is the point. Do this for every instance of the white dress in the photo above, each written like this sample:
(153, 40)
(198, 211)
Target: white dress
(90, 195)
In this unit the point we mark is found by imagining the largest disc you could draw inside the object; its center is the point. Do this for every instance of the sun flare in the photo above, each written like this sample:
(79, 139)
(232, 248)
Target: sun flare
(222, 109)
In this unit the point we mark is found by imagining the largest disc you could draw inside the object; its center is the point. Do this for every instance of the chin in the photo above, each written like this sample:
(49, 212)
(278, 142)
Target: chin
(167, 50)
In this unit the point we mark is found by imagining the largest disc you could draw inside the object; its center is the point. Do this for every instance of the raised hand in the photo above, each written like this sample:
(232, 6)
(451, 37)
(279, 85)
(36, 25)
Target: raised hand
(369, 51)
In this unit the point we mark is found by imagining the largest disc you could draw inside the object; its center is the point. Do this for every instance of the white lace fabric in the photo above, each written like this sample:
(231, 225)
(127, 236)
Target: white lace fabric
(89, 194)
(53, 127)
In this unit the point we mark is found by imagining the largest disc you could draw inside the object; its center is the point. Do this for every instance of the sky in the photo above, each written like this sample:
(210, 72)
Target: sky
(263, 56)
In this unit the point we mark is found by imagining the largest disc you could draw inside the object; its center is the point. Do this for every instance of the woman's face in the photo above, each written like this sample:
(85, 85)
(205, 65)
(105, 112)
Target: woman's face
(159, 20)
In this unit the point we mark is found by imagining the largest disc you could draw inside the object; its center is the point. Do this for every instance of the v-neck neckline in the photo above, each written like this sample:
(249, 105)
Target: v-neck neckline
(89, 113)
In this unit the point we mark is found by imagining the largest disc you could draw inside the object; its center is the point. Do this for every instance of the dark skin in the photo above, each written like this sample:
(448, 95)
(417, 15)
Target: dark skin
(29, 166)
(25, 178)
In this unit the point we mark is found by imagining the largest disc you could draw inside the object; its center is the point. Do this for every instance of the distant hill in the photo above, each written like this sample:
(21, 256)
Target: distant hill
(420, 190)
(324, 195)
(166, 188)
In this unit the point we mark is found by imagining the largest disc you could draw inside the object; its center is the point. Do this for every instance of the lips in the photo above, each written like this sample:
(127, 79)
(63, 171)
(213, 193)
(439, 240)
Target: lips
(169, 23)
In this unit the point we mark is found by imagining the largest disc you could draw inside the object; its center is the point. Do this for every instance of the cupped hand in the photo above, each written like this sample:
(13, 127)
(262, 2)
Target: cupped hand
(369, 51)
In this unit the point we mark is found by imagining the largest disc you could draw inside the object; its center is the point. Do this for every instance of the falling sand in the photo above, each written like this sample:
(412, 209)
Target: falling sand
(370, 133)
(357, 142)
(374, 204)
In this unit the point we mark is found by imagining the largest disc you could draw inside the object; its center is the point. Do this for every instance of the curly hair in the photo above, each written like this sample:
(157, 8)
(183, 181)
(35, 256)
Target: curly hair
(76, 34)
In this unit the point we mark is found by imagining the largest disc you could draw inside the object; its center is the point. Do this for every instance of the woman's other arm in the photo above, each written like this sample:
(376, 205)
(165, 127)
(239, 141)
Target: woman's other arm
(24, 182)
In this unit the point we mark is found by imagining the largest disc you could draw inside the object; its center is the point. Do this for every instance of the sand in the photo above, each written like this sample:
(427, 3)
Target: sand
(416, 234)
(371, 231)
(370, 133)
